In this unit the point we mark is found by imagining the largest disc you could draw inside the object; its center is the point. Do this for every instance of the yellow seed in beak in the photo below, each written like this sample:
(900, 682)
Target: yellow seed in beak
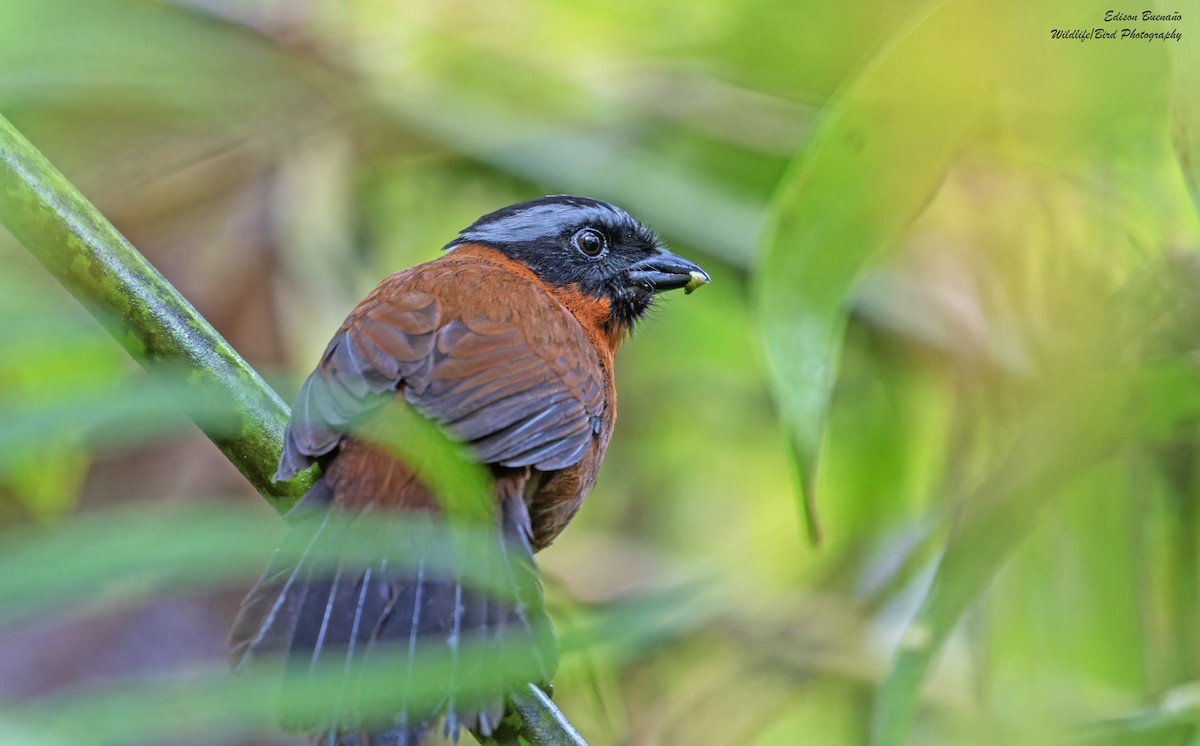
(698, 279)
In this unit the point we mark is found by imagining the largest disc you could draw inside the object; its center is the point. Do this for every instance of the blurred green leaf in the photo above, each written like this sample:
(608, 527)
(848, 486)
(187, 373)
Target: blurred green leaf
(108, 414)
(1059, 438)
(114, 58)
(1185, 113)
(876, 159)
(131, 554)
(209, 704)
(462, 486)
(176, 549)
(49, 485)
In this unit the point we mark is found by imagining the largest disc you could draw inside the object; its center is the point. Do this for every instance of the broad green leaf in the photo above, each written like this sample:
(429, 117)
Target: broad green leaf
(1185, 112)
(877, 158)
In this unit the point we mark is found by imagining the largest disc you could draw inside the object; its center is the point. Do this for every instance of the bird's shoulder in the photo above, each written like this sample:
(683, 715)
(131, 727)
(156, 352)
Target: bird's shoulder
(485, 290)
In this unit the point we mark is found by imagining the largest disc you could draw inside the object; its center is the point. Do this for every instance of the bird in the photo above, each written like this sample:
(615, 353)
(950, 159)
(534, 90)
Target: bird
(506, 343)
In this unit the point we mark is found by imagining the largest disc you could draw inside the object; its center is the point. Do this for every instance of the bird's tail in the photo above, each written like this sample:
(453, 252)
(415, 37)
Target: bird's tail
(386, 625)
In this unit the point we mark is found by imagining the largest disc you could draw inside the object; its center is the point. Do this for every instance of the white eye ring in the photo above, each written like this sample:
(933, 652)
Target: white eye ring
(590, 242)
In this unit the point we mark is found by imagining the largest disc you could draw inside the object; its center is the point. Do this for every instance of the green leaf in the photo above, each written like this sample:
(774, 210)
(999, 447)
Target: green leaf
(877, 158)
(132, 553)
(1185, 113)
(1065, 433)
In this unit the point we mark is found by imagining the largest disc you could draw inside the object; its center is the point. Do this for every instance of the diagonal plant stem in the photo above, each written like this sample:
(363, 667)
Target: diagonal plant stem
(143, 312)
(160, 329)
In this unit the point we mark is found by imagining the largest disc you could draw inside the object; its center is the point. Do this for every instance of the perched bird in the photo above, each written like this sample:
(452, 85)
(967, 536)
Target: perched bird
(506, 341)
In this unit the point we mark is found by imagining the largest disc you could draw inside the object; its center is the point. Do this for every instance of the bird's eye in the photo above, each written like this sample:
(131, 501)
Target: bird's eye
(590, 241)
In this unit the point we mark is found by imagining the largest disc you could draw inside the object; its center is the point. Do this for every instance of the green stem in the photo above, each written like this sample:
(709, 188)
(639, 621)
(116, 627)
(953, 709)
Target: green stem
(153, 322)
(533, 718)
(160, 329)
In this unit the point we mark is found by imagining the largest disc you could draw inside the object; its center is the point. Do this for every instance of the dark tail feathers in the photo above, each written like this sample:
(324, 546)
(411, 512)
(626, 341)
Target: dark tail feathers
(348, 590)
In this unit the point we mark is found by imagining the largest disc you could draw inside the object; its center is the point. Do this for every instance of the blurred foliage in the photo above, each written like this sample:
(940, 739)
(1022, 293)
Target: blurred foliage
(955, 267)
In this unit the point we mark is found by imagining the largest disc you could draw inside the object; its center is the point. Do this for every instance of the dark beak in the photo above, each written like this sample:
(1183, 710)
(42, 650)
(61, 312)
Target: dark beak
(667, 271)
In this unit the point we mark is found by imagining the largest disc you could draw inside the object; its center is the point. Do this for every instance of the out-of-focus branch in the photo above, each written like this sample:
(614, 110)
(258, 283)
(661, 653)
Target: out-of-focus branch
(158, 327)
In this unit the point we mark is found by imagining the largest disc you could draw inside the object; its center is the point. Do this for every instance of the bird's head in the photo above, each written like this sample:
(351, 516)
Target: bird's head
(590, 246)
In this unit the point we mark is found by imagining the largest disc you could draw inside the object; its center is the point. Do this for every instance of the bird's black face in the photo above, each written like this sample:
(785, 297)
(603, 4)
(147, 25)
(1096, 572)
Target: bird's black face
(591, 245)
